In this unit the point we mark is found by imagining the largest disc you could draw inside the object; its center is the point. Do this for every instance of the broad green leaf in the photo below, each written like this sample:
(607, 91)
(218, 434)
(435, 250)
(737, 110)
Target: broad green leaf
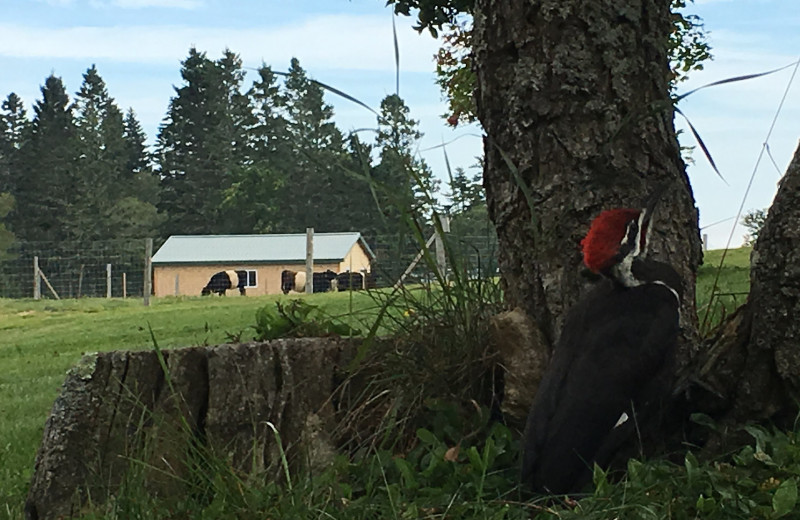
(785, 498)
(427, 437)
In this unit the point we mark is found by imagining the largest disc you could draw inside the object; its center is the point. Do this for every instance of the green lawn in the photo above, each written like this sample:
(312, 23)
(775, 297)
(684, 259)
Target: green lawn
(732, 285)
(41, 340)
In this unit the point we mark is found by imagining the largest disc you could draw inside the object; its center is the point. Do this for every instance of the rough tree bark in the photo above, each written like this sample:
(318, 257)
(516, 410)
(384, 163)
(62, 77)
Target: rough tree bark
(752, 366)
(574, 99)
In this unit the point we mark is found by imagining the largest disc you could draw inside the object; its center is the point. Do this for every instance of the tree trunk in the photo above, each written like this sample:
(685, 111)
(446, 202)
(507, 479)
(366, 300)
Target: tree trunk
(775, 290)
(752, 366)
(574, 99)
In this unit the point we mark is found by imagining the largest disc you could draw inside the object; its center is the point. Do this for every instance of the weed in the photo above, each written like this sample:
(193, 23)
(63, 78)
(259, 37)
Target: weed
(298, 319)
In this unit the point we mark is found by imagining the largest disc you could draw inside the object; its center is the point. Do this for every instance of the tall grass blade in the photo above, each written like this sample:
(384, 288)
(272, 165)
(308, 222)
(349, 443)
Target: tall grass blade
(446, 143)
(734, 80)
(284, 461)
(702, 145)
(338, 92)
(396, 57)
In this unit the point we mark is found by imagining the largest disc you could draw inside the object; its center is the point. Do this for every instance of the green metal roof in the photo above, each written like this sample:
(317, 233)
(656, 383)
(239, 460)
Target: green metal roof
(291, 248)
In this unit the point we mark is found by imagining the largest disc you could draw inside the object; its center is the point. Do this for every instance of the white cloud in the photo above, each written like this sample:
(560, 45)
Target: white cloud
(318, 43)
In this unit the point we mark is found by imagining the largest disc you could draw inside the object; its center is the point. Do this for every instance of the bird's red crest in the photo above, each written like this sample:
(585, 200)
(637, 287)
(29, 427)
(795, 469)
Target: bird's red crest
(601, 243)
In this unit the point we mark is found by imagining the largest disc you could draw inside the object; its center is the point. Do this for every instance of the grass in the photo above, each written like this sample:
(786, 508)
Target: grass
(731, 289)
(42, 339)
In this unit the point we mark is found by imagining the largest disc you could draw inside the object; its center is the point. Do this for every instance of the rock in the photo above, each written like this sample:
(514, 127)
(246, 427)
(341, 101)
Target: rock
(119, 406)
(524, 355)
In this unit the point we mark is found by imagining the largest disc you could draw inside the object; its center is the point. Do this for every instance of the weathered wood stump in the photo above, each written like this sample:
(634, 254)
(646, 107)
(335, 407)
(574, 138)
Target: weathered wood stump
(122, 406)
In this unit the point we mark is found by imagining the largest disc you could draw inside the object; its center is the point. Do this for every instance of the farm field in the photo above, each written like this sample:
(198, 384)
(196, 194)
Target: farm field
(41, 340)
(733, 284)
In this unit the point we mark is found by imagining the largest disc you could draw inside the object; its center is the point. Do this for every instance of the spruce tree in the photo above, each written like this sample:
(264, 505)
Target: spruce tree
(6, 237)
(313, 191)
(136, 155)
(44, 181)
(472, 235)
(101, 159)
(14, 125)
(251, 203)
(359, 197)
(136, 214)
(405, 182)
(201, 143)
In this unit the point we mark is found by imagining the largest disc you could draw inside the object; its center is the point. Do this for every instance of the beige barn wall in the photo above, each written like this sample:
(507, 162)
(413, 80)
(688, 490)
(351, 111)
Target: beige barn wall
(356, 260)
(321, 268)
(192, 278)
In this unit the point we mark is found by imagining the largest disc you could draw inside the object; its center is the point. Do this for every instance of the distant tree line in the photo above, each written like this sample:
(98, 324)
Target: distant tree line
(228, 158)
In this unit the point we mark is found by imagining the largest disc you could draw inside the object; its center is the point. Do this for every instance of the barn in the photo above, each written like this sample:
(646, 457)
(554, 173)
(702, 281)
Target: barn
(185, 263)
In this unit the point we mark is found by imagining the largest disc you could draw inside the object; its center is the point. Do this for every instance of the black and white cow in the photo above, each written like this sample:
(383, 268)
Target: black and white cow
(224, 280)
(296, 281)
(293, 281)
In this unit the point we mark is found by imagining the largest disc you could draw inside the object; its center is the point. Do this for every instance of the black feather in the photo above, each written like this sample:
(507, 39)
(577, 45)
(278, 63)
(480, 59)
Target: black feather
(616, 346)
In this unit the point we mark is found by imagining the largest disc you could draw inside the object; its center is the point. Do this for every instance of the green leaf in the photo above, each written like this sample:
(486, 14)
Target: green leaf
(600, 480)
(785, 498)
(690, 461)
(705, 505)
(475, 459)
(634, 470)
(406, 472)
(704, 420)
(427, 437)
(760, 435)
(745, 456)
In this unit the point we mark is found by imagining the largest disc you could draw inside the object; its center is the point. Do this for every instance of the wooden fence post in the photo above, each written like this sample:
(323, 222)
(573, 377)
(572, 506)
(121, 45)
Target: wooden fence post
(37, 279)
(148, 270)
(177, 284)
(108, 281)
(415, 261)
(441, 256)
(309, 260)
(124, 285)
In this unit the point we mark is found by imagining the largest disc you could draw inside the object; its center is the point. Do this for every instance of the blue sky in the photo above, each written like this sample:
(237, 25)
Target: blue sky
(137, 46)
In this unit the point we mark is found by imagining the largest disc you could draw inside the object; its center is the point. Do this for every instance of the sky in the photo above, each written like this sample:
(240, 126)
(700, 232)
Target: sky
(137, 46)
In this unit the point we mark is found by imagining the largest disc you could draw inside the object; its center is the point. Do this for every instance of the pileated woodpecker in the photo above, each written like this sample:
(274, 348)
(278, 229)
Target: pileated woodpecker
(611, 366)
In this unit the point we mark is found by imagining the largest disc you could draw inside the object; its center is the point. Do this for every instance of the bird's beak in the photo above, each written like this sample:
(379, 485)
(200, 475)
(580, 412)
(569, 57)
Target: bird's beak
(653, 199)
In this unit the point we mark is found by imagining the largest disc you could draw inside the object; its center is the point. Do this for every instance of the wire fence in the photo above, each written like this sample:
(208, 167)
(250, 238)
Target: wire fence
(407, 260)
(74, 269)
(117, 268)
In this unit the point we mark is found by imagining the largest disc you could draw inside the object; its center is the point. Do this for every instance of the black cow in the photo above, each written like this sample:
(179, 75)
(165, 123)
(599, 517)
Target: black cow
(322, 281)
(224, 280)
(349, 281)
(370, 280)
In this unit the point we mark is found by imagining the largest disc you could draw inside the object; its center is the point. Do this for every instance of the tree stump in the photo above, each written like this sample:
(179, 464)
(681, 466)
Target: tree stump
(120, 406)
